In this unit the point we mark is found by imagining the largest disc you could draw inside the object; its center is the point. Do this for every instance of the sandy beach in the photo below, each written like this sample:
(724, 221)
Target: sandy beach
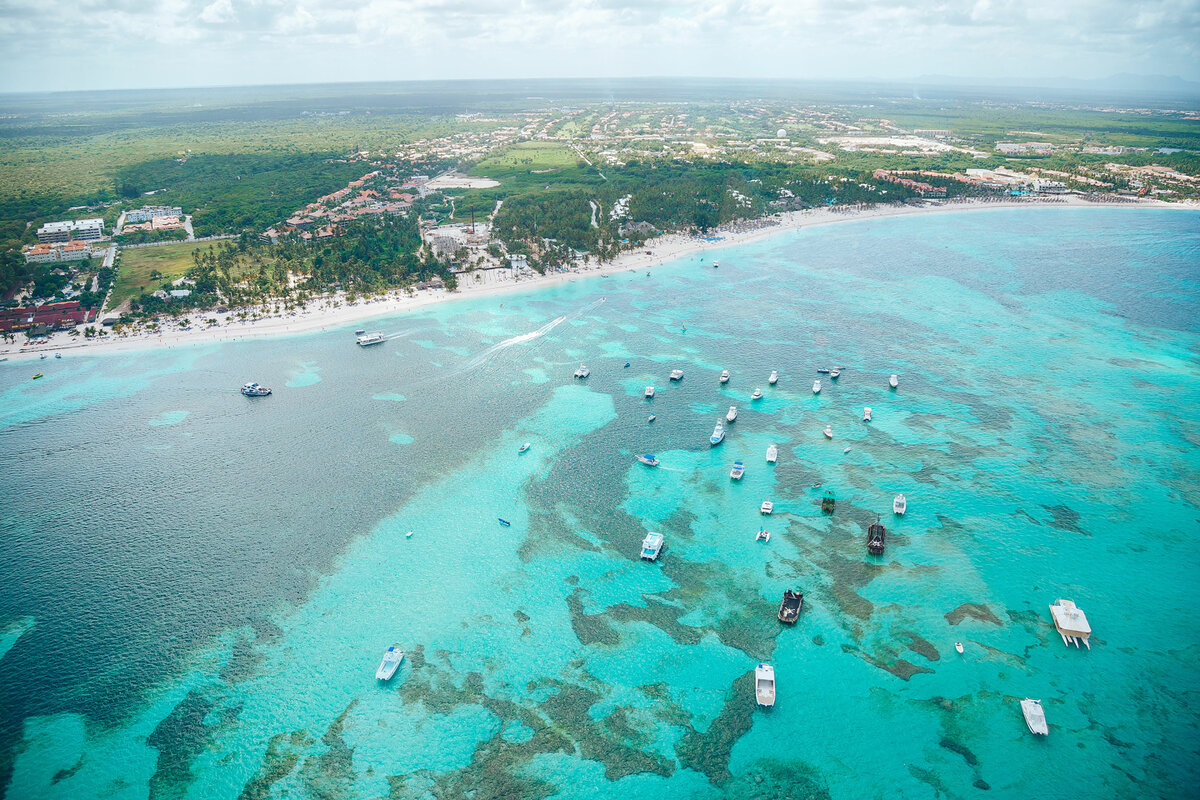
(332, 311)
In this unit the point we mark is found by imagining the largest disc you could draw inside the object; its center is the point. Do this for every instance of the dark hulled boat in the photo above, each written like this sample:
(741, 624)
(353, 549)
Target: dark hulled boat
(875, 535)
(789, 609)
(827, 503)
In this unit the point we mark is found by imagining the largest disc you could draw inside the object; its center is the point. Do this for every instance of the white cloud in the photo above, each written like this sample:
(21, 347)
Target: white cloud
(218, 12)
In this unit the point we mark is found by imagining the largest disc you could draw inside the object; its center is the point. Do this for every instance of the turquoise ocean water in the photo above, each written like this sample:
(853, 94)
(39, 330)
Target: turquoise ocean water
(196, 587)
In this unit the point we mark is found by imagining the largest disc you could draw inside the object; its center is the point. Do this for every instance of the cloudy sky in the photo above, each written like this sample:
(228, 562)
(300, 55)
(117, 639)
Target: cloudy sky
(65, 44)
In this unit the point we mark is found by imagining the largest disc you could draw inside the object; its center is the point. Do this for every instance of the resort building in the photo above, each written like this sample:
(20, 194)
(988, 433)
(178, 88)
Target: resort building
(48, 252)
(147, 213)
(54, 316)
(85, 229)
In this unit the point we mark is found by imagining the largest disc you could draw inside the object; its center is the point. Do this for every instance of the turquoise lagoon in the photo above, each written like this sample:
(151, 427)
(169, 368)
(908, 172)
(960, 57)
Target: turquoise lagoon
(197, 587)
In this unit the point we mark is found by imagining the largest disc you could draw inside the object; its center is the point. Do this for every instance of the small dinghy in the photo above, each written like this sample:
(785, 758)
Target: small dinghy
(959, 647)
(828, 431)
(408, 535)
(764, 685)
(789, 608)
(504, 522)
(847, 450)
(523, 448)
(1035, 716)
(627, 363)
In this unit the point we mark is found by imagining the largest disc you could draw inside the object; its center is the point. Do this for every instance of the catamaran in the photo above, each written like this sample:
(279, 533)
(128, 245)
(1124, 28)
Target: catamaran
(676, 374)
(389, 665)
(866, 413)
(649, 392)
(652, 546)
(718, 434)
(369, 339)
(582, 372)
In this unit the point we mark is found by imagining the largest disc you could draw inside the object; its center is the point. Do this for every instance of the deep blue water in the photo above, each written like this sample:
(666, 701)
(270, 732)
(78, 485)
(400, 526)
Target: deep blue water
(196, 587)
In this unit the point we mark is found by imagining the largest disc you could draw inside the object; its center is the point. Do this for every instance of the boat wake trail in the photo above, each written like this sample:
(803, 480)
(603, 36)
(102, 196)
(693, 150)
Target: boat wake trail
(507, 343)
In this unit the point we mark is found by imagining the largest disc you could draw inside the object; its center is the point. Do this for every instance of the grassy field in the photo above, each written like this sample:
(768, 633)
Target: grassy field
(136, 264)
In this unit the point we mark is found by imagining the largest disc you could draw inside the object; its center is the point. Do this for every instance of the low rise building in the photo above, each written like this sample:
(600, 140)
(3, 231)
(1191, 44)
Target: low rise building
(49, 252)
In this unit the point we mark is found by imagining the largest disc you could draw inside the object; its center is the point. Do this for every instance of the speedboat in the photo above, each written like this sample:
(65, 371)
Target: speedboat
(757, 395)
(766, 508)
(504, 522)
(833, 374)
(676, 374)
(764, 685)
(816, 387)
(724, 376)
(626, 363)
(648, 460)
(762, 536)
(959, 647)
(58, 355)
(738, 471)
(718, 434)
(391, 662)
(582, 372)
(523, 448)
(774, 377)
(370, 339)
(866, 413)
(651, 418)
(649, 392)
(789, 608)
(899, 504)
(731, 415)
(772, 454)
(1035, 716)
(716, 264)
(828, 431)
(652, 546)
(894, 381)
(254, 390)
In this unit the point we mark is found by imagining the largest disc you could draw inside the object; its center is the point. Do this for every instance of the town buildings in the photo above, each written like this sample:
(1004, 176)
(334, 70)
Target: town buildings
(148, 213)
(48, 252)
(82, 229)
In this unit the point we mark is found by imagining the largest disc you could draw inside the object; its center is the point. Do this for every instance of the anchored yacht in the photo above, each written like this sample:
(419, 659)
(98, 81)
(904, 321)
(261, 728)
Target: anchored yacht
(724, 376)
(774, 377)
(738, 471)
(718, 434)
(1035, 716)
(764, 685)
(652, 546)
(732, 414)
(899, 505)
(816, 387)
(389, 665)
(772, 454)
(649, 392)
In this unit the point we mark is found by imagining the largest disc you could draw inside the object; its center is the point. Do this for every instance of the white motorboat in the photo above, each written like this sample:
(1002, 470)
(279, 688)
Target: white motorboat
(676, 374)
(772, 454)
(369, 339)
(894, 381)
(738, 471)
(762, 536)
(389, 665)
(718, 434)
(649, 392)
(764, 685)
(731, 415)
(724, 376)
(58, 355)
(847, 450)
(43, 355)
(959, 647)
(833, 374)
(866, 413)
(652, 546)
(816, 387)
(254, 390)
(757, 395)
(828, 431)
(899, 504)
(774, 377)
(523, 448)
(582, 372)
(766, 508)
(716, 264)
(359, 332)
(650, 419)
(1035, 716)
(648, 460)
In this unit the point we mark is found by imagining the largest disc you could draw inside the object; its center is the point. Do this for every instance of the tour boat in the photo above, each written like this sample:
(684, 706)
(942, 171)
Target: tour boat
(959, 647)
(504, 522)
(866, 413)
(652, 546)
(391, 662)
(875, 538)
(772, 454)
(763, 536)
(828, 431)
(648, 460)
(894, 381)
(899, 504)
(359, 332)
(731, 415)
(676, 374)
(724, 376)
(1035, 716)
(764, 685)
(774, 377)
(254, 390)
(35, 377)
(757, 395)
(789, 608)
(766, 508)
(370, 339)
(816, 387)
(718, 434)
(738, 471)
(523, 448)
(833, 374)
(582, 372)
(1071, 623)
(649, 391)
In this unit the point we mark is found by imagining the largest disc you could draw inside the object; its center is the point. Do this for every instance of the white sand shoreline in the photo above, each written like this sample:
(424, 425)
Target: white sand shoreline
(333, 312)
